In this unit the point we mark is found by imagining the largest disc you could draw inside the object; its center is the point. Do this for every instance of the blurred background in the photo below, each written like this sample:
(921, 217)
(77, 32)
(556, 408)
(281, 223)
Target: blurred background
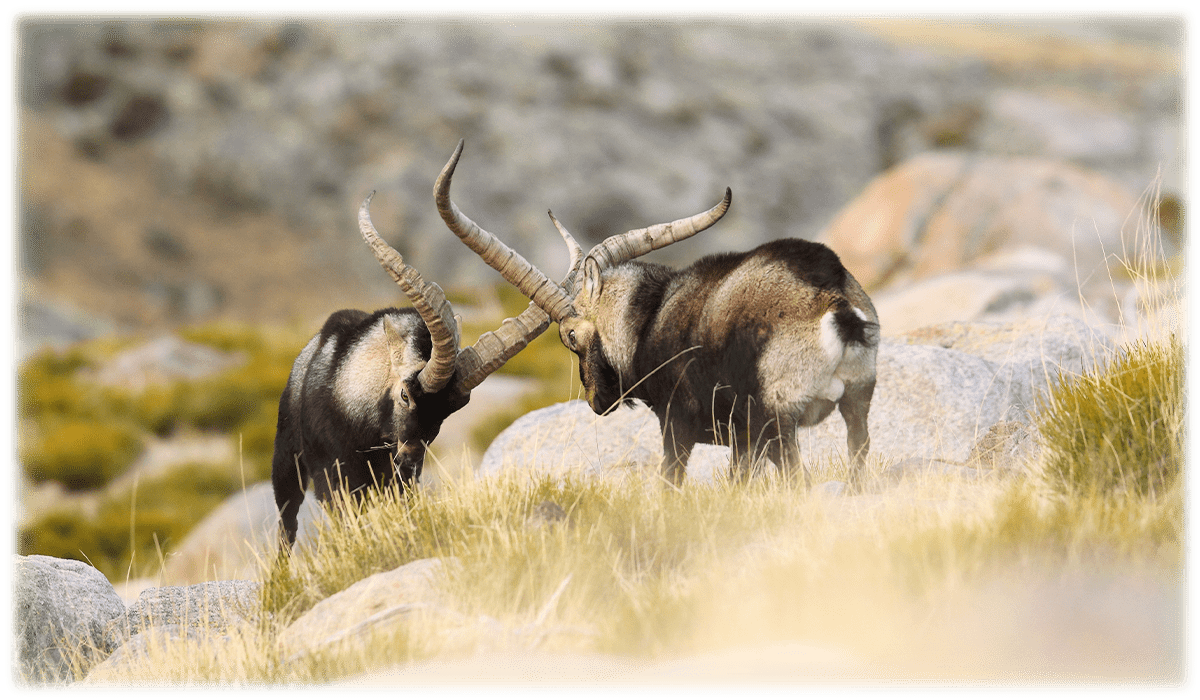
(188, 189)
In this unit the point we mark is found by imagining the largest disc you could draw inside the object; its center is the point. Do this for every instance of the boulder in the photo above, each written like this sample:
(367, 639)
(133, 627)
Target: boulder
(164, 360)
(213, 606)
(963, 295)
(942, 211)
(929, 402)
(61, 605)
(570, 438)
(373, 601)
(1036, 351)
(237, 538)
(116, 669)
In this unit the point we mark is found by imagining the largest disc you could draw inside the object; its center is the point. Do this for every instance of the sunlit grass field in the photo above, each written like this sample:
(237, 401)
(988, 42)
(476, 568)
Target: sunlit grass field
(1072, 571)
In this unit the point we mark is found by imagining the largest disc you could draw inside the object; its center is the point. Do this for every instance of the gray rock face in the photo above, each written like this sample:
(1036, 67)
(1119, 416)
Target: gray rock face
(61, 604)
(163, 360)
(229, 542)
(615, 125)
(569, 437)
(939, 391)
(205, 606)
(113, 669)
(375, 600)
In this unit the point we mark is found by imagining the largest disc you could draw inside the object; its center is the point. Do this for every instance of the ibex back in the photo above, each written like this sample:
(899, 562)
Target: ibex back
(740, 349)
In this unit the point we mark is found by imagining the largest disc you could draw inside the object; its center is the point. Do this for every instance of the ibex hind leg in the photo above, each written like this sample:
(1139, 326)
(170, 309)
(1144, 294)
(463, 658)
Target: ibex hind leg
(785, 453)
(677, 448)
(854, 407)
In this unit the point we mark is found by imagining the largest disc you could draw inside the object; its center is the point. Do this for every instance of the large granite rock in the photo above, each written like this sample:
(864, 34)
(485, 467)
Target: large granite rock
(237, 537)
(378, 600)
(63, 618)
(215, 605)
(941, 211)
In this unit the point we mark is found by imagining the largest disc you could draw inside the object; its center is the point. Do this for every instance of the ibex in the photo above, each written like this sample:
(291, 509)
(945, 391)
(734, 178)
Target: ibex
(740, 349)
(369, 391)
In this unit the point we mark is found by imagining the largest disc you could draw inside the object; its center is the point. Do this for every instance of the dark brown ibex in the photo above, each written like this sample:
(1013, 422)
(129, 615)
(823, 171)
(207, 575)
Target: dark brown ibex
(739, 349)
(369, 392)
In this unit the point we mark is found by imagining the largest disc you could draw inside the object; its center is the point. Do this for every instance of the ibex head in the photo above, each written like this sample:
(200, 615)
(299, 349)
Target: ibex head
(370, 391)
(606, 284)
(446, 379)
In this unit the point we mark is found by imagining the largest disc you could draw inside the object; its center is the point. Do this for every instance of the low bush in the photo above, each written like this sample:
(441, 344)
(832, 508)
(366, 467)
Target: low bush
(133, 528)
(1119, 429)
(81, 453)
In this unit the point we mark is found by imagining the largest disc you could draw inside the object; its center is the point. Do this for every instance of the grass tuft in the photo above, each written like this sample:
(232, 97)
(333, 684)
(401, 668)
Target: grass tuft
(1118, 429)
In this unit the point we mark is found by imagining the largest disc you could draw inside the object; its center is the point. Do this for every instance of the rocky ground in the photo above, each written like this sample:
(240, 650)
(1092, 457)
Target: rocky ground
(181, 171)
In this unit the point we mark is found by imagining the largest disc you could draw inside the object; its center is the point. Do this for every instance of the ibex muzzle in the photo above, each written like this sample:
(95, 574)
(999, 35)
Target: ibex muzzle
(740, 349)
(369, 392)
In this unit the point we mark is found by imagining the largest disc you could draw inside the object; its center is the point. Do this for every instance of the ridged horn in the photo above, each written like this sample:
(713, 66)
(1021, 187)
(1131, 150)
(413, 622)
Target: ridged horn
(426, 297)
(494, 348)
(623, 247)
(515, 269)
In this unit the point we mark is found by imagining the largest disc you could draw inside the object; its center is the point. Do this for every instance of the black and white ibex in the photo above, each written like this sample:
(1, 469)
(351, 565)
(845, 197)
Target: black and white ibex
(739, 349)
(370, 391)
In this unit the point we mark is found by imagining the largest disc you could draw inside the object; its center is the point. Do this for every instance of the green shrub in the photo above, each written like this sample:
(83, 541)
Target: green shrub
(229, 337)
(225, 402)
(157, 408)
(133, 527)
(62, 534)
(46, 385)
(81, 454)
(1119, 429)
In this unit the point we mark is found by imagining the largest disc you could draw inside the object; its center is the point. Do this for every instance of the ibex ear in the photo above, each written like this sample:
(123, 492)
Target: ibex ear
(592, 282)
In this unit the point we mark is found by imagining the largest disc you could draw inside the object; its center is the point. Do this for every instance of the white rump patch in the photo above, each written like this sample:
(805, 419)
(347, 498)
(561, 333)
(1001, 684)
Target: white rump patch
(830, 342)
(833, 390)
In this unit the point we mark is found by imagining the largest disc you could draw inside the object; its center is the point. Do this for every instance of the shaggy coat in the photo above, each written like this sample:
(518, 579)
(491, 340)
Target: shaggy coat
(353, 413)
(738, 349)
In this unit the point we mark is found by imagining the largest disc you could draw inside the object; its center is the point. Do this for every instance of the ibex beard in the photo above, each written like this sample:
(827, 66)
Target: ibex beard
(740, 349)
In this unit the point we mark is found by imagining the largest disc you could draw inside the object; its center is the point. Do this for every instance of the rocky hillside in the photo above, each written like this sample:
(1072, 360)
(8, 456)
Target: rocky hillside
(180, 171)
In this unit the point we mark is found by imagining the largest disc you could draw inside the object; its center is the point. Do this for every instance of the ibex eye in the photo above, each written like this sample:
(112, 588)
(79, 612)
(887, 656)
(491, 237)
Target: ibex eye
(571, 338)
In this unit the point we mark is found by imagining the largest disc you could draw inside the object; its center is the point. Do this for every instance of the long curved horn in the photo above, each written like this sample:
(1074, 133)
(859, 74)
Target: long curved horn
(615, 250)
(426, 297)
(572, 279)
(494, 348)
(515, 269)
